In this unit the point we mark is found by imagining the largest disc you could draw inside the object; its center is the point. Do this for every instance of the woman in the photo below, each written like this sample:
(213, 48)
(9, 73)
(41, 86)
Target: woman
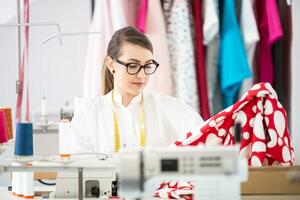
(126, 116)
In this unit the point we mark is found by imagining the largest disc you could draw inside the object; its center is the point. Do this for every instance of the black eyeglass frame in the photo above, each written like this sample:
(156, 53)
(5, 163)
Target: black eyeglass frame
(141, 66)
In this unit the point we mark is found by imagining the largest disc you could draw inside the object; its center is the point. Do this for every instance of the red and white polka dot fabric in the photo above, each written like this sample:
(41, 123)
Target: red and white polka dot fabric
(265, 136)
(175, 190)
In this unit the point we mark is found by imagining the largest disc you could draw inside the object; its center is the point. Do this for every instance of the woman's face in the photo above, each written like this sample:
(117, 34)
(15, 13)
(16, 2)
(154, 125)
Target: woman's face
(125, 82)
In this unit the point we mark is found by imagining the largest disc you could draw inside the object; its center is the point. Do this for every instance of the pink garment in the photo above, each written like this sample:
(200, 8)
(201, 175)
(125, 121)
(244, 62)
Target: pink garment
(161, 80)
(108, 17)
(270, 31)
(142, 16)
(3, 128)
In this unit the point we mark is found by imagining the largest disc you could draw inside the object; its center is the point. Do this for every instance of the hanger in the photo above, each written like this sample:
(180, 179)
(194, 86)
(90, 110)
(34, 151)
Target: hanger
(60, 35)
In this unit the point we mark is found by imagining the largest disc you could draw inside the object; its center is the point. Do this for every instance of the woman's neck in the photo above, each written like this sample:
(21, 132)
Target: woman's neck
(126, 97)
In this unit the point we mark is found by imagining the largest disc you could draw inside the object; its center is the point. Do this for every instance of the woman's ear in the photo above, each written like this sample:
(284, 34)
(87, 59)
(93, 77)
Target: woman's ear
(110, 64)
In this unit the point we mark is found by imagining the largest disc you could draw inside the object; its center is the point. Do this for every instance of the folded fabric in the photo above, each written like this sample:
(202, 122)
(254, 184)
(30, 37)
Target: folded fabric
(175, 190)
(265, 138)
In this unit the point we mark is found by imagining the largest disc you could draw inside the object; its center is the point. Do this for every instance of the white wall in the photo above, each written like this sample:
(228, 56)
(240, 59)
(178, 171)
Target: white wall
(56, 72)
(295, 76)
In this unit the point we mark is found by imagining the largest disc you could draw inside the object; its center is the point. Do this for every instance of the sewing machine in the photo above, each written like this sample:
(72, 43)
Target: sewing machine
(79, 176)
(93, 180)
(216, 171)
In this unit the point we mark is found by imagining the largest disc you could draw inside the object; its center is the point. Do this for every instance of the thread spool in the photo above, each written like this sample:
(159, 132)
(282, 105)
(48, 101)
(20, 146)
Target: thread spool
(13, 183)
(64, 138)
(8, 117)
(23, 181)
(27, 186)
(24, 139)
(3, 128)
(17, 182)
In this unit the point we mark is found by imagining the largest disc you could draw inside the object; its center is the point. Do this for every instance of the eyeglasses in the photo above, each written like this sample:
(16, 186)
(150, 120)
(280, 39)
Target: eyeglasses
(134, 68)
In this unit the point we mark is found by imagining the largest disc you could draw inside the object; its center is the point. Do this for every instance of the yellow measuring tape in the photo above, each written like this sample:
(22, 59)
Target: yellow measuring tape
(117, 130)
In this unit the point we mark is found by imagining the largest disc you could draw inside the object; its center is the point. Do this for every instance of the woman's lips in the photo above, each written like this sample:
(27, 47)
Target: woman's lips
(139, 84)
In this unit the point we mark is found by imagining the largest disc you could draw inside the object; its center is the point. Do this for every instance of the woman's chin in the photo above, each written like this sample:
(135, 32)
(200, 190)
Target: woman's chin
(137, 91)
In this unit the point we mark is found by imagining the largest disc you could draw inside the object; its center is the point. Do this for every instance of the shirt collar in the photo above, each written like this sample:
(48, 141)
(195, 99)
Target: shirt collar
(118, 98)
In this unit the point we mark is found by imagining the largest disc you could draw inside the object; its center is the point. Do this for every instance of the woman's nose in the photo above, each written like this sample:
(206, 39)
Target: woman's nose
(141, 73)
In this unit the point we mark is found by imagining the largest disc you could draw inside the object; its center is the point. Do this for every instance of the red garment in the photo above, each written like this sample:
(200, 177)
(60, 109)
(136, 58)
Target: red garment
(265, 135)
(270, 31)
(175, 190)
(200, 59)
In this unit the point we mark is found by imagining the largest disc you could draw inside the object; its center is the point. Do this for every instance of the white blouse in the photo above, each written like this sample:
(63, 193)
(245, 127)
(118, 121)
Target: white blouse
(166, 119)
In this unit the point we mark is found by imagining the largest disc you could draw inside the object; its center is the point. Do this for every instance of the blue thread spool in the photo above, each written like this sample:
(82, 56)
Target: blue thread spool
(24, 139)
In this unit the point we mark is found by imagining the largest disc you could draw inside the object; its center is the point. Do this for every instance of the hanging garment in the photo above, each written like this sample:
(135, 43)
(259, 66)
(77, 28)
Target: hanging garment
(270, 31)
(282, 57)
(233, 66)
(165, 117)
(211, 41)
(9, 121)
(265, 136)
(142, 16)
(200, 59)
(161, 80)
(180, 42)
(108, 17)
(250, 35)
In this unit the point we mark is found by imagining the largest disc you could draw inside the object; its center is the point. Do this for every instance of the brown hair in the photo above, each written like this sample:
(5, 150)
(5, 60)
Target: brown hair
(127, 34)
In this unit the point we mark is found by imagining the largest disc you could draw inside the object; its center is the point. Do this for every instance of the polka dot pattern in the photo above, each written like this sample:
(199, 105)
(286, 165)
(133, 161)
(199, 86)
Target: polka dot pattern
(212, 139)
(265, 134)
(254, 109)
(259, 147)
(258, 129)
(257, 112)
(279, 122)
(268, 108)
(242, 118)
(273, 138)
(251, 122)
(255, 162)
(222, 132)
(246, 135)
(279, 141)
(286, 155)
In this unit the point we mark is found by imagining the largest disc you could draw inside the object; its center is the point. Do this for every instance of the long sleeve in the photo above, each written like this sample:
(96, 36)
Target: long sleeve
(80, 136)
(177, 116)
